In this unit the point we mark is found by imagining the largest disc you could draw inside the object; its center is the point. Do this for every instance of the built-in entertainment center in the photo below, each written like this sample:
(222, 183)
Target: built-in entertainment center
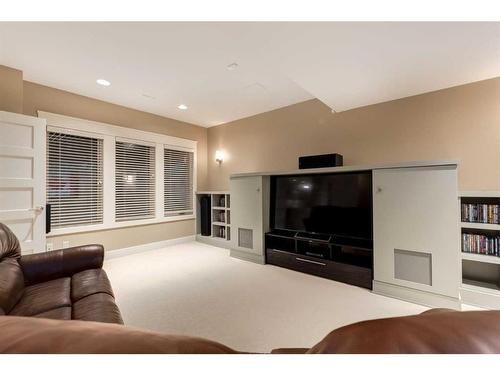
(392, 228)
(322, 224)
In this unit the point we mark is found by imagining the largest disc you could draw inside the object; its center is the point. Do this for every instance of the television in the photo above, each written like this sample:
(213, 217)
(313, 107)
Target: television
(332, 204)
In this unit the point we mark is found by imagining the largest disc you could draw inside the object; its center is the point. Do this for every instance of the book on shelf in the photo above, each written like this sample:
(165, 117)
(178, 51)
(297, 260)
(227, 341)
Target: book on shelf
(480, 213)
(222, 232)
(481, 244)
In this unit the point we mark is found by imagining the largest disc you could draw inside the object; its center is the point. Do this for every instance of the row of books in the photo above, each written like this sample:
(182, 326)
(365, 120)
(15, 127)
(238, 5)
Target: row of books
(220, 232)
(220, 216)
(481, 213)
(481, 244)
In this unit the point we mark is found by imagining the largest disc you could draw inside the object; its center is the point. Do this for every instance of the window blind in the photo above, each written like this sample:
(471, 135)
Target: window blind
(135, 181)
(74, 180)
(178, 182)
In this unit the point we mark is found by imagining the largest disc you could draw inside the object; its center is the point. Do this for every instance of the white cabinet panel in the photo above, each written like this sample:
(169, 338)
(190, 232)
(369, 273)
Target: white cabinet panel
(415, 212)
(249, 214)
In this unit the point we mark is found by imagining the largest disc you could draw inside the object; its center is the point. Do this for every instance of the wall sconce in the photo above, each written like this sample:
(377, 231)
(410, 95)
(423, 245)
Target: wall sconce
(219, 156)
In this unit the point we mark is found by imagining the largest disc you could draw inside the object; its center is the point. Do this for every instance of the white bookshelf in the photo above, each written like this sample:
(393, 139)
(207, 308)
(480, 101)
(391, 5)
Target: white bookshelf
(220, 211)
(480, 272)
(481, 258)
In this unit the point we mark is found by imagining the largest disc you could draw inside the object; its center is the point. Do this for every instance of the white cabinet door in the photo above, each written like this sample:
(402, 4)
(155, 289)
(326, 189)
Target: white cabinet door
(247, 214)
(415, 222)
(22, 178)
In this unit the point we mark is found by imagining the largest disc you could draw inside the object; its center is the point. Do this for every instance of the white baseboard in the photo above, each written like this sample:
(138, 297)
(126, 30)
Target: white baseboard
(219, 242)
(146, 247)
(415, 296)
(243, 255)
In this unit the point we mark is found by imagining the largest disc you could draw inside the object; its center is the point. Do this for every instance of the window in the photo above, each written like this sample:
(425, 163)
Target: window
(74, 180)
(102, 176)
(135, 181)
(178, 182)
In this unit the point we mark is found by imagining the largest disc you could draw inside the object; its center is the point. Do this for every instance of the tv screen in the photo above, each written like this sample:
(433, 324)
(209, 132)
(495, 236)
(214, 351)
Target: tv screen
(338, 204)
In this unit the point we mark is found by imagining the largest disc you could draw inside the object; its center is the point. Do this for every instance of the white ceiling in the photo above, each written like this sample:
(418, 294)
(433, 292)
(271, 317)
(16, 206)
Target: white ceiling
(154, 67)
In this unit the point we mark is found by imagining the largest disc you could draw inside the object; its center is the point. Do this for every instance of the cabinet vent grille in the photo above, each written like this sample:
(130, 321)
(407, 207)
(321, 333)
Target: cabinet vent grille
(245, 238)
(413, 266)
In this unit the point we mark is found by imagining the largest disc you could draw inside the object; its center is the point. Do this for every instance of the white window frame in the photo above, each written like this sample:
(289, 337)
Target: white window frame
(178, 148)
(109, 134)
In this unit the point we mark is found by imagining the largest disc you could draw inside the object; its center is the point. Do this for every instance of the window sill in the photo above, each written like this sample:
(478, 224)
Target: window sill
(117, 225)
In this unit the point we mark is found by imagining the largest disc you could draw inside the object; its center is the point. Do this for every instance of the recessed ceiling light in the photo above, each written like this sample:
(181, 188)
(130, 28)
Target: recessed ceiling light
(232, 66)
(103, 82)
(182, 106)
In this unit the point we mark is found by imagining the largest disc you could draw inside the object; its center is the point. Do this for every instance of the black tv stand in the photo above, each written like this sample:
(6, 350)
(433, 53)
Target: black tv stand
(341, 259)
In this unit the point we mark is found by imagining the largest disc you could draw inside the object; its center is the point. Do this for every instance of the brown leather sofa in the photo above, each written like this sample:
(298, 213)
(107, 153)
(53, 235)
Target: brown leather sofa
(62, 284)
(436, 331)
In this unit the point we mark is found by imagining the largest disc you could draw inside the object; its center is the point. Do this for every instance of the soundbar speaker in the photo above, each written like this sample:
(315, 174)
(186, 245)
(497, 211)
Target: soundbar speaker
(321, 161)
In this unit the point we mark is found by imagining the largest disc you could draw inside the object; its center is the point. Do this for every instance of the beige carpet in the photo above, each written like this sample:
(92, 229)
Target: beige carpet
(199, 290)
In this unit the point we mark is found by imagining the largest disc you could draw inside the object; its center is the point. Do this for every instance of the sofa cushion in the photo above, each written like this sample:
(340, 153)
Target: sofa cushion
(435, 332)
(35, 336)
(86, 283)
(99, 307)
(43, 297)
(61, 313)
(11, 283)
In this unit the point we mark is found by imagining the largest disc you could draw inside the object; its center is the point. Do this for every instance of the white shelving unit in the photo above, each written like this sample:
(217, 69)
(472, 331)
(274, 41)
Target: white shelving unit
(220, 218)
(480, 273)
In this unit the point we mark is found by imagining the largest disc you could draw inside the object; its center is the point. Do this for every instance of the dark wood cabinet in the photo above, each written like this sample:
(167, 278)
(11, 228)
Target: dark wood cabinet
(342, 263)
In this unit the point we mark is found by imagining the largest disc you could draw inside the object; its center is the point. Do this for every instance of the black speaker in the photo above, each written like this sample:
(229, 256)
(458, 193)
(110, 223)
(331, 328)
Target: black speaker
(205, 216)
(321, 161)
(48, 217)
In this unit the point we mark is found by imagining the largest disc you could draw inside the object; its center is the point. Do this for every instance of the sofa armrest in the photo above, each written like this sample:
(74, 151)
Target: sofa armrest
(55, 264)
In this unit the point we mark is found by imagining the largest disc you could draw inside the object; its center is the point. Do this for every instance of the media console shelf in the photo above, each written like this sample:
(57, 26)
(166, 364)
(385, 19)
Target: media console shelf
(220, 218)
(321, 257)
(480, 248)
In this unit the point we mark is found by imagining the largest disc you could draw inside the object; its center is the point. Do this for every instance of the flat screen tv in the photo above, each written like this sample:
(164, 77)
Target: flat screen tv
(334, 204)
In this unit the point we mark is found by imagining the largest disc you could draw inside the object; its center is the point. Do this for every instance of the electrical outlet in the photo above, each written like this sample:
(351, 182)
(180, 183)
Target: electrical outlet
(65, 244)
(49, 246)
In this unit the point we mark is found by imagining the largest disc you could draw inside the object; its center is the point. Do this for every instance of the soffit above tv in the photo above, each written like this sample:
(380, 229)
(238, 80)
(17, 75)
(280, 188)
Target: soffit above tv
(227, 71)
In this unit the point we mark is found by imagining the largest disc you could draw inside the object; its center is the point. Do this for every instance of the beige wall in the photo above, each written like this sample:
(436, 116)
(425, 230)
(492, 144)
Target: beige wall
(130, 236)
(37, 97)
(460, 123)
(11, 90)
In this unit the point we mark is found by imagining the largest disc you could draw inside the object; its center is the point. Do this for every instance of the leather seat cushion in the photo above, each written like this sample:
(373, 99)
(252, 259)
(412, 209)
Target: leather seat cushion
(99, 307)
(435, 332)
(11, 284)
(86, 283)
(61, 313)
(40, 298)
(45, 336)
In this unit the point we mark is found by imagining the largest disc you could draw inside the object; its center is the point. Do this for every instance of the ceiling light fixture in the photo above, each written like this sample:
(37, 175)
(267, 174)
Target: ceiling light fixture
(103, 82)
(182, 106)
